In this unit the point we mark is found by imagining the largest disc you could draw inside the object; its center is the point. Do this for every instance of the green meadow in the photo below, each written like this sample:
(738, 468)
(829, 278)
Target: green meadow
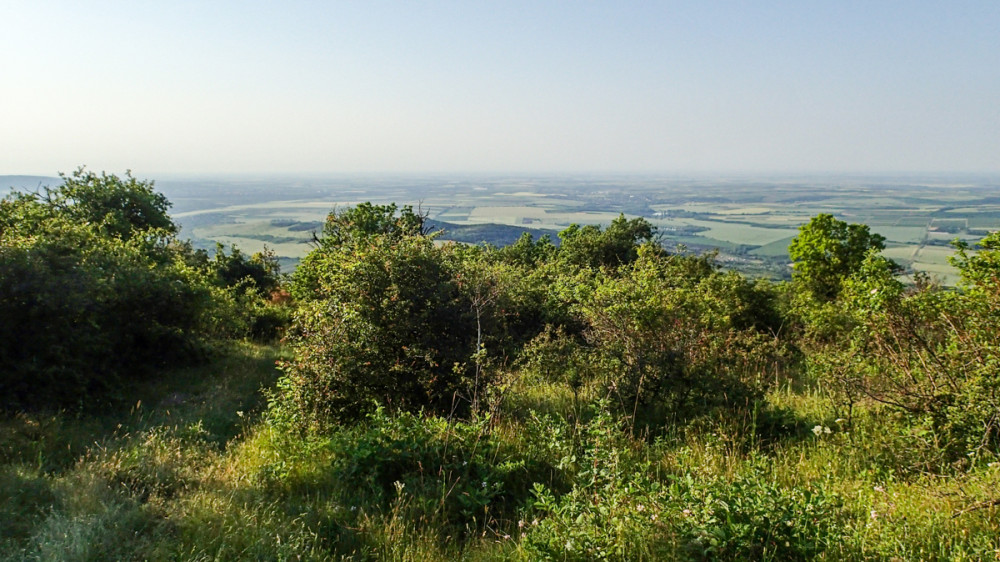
(749, 221)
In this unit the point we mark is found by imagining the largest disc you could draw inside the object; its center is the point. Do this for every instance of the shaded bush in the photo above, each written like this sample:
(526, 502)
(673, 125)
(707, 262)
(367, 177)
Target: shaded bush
(94, 290)
(673, 338)
(382, 319)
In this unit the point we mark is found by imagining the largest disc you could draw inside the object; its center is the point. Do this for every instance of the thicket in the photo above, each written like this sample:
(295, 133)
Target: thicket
(603, 398)
(96, 290)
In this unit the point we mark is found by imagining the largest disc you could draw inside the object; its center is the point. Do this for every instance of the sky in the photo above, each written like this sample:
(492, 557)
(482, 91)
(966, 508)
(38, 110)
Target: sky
(214, 87)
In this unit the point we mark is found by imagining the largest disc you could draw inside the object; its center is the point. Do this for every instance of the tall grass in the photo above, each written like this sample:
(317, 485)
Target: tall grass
(195, 470)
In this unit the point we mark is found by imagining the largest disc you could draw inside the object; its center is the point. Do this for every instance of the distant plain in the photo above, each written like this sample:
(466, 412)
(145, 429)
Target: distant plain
(750, 220)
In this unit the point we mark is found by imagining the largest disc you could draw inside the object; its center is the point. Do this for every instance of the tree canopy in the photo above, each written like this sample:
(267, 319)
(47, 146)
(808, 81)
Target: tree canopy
(827, 251)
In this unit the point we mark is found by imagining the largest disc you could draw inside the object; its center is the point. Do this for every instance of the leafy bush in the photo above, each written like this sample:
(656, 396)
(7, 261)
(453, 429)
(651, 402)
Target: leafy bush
(928, 353)
(449, 473)
(617, 510)
(827, 251)
(94, 290)
(752, 518)
(613, 510)
(674, 338)
(258, 307)
(392, 327)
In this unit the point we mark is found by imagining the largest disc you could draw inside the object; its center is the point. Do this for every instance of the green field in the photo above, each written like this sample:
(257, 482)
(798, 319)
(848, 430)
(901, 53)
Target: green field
(750, 220)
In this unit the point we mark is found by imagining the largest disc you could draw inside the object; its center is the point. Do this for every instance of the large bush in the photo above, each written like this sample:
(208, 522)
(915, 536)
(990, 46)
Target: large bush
(94, 289)
(672, 337)
(927, 353)
(382, 319)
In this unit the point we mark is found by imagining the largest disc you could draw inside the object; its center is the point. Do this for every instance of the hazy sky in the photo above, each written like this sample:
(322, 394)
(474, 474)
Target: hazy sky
(333, 86)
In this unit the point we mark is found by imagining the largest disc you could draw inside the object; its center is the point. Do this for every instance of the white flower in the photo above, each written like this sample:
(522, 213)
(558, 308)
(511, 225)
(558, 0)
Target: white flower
(818, 430)
(874, 514)
(686, 512)
(640, 507)
(826, 430)
(879, 489)
(484, 484)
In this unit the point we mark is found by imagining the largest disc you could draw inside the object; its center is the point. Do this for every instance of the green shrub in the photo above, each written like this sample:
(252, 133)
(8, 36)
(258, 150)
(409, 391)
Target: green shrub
(382, 318)
(673, 338)
(96, 291)
(752, 518)
(447, 473)
(612, 511)
(928, 353)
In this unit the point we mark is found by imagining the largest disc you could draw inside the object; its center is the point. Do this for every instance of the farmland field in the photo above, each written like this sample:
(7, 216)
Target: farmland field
(749, 220)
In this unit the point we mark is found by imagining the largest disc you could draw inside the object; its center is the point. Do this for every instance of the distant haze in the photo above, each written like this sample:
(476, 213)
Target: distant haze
(504, 87)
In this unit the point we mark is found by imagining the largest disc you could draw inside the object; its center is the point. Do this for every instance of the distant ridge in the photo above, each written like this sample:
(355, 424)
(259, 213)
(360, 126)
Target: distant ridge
(27, 183)
(496, 234)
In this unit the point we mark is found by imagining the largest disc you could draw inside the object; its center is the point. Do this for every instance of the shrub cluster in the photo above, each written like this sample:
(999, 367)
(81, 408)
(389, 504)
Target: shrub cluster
(95, 289)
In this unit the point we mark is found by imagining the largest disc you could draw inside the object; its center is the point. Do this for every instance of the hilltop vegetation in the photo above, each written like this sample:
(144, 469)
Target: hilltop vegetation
(599, 398)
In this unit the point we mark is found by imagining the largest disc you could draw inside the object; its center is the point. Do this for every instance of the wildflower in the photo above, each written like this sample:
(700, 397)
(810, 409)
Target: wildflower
(874, 291)
(652, 517)
(506, 537)
(640, 507)
(534, 522)
(520, 524)
(840, 420)
(484, 484)
(686, 512)
(818, 430)
(826, 430)
(874, 515)
(789, 523)
(879, 489)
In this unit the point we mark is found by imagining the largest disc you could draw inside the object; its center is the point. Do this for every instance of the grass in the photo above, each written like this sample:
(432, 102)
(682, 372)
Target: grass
(192, 471)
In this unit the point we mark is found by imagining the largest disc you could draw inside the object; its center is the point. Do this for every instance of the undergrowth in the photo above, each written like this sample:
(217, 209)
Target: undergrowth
(198, 469)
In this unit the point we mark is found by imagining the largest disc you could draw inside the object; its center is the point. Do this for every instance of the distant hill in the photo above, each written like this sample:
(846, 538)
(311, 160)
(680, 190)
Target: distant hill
(26, 183)
(496, 234)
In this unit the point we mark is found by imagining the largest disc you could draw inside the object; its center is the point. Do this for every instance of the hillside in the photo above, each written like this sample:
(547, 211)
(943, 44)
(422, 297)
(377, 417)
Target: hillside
(402, 398)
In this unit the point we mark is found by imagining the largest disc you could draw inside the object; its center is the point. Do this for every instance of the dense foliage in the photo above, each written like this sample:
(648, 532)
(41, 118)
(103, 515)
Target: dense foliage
(599, 399)
(95, 289)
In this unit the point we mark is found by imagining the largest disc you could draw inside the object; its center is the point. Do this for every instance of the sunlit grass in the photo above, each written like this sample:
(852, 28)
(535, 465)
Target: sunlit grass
(204, 476)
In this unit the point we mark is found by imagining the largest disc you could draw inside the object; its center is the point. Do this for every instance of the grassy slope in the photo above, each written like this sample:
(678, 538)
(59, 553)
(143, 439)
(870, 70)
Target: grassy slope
(191, 472)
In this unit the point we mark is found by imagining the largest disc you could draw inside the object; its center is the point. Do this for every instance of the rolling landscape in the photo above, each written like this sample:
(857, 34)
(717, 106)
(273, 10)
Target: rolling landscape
(766, 385)
(500, 281)
(750, 221)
